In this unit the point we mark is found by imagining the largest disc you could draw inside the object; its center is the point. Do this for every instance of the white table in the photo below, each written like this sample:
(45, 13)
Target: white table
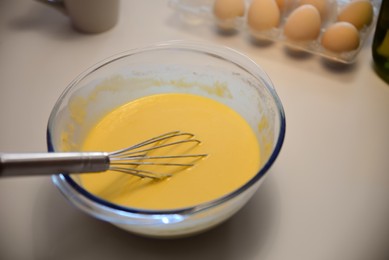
(327, 196)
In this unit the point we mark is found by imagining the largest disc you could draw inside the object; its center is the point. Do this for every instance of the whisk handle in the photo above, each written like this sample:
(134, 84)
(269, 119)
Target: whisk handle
(30, 164)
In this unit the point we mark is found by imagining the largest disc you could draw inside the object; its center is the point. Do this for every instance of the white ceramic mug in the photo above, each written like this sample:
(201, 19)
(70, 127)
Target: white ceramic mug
(88, 16)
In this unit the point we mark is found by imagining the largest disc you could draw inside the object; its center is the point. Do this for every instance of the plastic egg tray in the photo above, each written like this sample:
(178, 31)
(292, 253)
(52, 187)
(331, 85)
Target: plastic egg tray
(201, 11)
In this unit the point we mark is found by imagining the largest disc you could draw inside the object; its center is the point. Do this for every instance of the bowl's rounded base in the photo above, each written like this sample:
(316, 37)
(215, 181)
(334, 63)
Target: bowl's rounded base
(178, 230)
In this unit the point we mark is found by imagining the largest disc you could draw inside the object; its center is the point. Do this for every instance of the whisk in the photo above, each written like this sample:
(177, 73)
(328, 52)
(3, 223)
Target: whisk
(130, 160)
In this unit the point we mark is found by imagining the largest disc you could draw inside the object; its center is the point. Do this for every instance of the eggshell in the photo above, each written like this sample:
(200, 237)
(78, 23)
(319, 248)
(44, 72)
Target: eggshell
(263, 15)
(340, 37)
(321, 5)
(281, 4)
(359, 13)
(303, 24)
(226, 11)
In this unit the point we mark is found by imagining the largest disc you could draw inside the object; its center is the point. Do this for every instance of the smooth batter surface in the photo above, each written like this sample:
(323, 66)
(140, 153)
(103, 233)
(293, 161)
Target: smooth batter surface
(233, 151)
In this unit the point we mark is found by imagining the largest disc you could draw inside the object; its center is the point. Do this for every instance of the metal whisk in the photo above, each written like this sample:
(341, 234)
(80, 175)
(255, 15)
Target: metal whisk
(131, 160)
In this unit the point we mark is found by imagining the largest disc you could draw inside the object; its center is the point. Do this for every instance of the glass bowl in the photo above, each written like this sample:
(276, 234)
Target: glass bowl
(209, 70)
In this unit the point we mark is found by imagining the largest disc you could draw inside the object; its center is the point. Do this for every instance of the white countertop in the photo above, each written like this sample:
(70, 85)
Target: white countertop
(326, 197)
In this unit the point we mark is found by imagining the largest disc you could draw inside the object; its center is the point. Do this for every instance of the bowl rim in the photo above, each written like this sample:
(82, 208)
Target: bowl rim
(218, 51)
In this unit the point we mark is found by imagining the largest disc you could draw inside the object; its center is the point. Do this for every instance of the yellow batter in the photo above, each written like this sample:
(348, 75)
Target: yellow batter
(233, 151)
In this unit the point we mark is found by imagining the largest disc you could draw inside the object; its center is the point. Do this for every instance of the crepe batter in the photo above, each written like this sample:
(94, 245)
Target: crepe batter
(232, 148)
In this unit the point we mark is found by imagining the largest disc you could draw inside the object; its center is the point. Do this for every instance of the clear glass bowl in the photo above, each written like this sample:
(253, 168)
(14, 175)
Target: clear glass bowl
(213, 71)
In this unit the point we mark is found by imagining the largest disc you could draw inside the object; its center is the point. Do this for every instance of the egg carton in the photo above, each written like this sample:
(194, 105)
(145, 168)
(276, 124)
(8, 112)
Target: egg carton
(197, 12)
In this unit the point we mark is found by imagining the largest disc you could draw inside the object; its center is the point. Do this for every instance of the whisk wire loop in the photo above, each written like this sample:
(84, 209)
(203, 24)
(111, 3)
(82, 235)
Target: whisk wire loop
(156, 139)
(130, 159)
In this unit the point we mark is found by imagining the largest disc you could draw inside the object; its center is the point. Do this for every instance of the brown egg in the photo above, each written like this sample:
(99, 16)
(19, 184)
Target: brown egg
(263, 15)
(358, 12)
(340, 37)
(321, 5)
(281, 4)
(303, 24)
(226, 11)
